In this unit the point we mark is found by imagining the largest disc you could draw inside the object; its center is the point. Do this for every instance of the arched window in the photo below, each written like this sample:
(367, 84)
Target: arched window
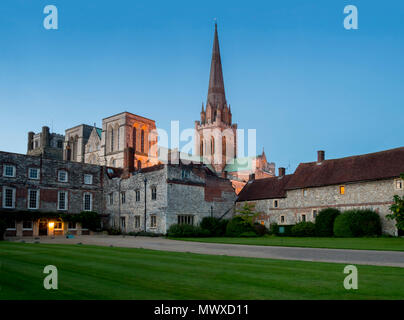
(142, 141)
(212, 146)
(134, 138)
(112, 139)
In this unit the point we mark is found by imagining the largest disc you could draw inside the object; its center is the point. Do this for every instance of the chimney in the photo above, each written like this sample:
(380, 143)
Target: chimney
(129, 159)
(320, 156)
(30, 140)
(281, 171)
(251, 177)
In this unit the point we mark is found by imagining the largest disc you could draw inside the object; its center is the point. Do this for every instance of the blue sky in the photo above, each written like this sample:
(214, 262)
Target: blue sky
(291, 70)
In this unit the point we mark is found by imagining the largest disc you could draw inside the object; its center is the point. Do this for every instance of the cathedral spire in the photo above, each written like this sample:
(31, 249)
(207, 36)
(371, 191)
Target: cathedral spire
(216, 95)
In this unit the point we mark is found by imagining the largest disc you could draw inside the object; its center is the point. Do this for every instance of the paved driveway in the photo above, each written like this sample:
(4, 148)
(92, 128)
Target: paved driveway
(380, 258)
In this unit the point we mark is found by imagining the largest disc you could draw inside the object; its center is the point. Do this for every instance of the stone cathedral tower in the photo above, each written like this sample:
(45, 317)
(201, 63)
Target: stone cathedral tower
(215, 134)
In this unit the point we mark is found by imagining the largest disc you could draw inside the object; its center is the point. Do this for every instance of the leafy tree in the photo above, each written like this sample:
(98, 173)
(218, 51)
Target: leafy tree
(397, 210)
(247, 213)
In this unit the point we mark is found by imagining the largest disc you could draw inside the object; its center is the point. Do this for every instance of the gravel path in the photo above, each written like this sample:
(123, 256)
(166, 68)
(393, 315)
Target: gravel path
(369, 257)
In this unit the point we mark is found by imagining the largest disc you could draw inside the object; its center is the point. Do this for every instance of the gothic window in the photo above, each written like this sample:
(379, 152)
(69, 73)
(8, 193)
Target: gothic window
(142, 141)
(112, 139)
(134, 138)
(212, 146)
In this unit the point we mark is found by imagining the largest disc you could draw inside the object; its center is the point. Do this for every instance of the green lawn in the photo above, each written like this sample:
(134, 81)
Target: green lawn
(93, 272)
(389, 244)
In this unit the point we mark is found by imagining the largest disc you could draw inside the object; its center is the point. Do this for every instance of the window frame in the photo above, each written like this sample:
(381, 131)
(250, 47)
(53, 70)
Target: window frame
(66, 173)
(277, 203)
(36, 200)
(153, 193)
(5, 166)
(342, 190)
(12, 229)
(27, 229)
(182, 219)
(75, 225)
(66, 201)
(137, 195)
(13, 197)
(396, 181)
(84, 201)
(88, 175)
(153, 218)
(282, 218)
(123, 197)
(314, 214)
(111, 198)
(137, 224)
(38, 173)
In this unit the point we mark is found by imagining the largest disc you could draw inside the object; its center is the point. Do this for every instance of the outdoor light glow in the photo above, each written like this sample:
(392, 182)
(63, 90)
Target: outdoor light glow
(51, 224)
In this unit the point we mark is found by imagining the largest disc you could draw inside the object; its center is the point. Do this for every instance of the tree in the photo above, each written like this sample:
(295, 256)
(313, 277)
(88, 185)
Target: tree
(247, 213)
(397, 210)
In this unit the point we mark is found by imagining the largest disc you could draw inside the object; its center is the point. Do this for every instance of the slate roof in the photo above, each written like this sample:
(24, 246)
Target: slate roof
(268, 188)
(373, 166)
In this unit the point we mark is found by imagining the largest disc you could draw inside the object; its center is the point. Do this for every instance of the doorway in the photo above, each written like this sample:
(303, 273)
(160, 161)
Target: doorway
(43, 228)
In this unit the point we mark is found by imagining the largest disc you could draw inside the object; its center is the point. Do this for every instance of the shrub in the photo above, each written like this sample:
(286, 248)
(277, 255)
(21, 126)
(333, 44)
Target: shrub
(276, 229)
(260, 229)
(89, 220)
(324, 225)
(273, 228)
(236, 226)
(304, 229)
(186, 230)
(215, 226)
(357, 223)
(113, 231)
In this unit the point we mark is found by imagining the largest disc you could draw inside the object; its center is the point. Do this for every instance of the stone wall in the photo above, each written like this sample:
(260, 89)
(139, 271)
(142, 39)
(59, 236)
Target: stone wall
(375, 195)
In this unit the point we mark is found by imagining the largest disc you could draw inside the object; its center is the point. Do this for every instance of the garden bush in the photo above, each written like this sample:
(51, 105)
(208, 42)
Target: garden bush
(215, 226)
(260, 229)
(186, 230)
(236, 226)
(324, 224)
(275, 229)
(304, 229)
(357, 223)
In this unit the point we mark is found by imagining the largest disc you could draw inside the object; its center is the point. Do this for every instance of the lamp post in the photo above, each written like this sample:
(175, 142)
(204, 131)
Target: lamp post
(145, 198)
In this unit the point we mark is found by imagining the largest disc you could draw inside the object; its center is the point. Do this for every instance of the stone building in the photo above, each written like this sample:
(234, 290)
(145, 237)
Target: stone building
(45, 144)
(32, 184)
(366, 181)
(106, 146)
(165, 194)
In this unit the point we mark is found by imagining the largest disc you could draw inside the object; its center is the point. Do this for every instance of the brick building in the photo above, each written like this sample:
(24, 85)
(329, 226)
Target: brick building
(366, 181)
(31, 184)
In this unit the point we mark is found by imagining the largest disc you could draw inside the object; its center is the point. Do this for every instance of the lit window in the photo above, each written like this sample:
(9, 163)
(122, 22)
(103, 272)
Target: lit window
(342, 190)
(8, 197)
(33, 173)
(154, 193)
(276, 204)
(137, 195)
(153, 221)
(9, 171)
(399, 184)
(87, 202)
(88, 179)
(62, 176)
(33, 198)
(58, 225)
(62, 200)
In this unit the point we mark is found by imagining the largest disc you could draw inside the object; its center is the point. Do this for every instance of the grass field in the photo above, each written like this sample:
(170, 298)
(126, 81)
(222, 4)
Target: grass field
(91, 272)
(389, 244)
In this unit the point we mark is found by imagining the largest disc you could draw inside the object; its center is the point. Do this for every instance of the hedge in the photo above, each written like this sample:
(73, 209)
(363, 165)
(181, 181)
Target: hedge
(215, 226)
(237, 226)
(186, 230)
(324, 224)
(357, 223)
(304, 229)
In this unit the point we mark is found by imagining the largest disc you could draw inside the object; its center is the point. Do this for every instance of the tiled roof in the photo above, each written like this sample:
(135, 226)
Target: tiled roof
(373, 166)
(268, 188)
